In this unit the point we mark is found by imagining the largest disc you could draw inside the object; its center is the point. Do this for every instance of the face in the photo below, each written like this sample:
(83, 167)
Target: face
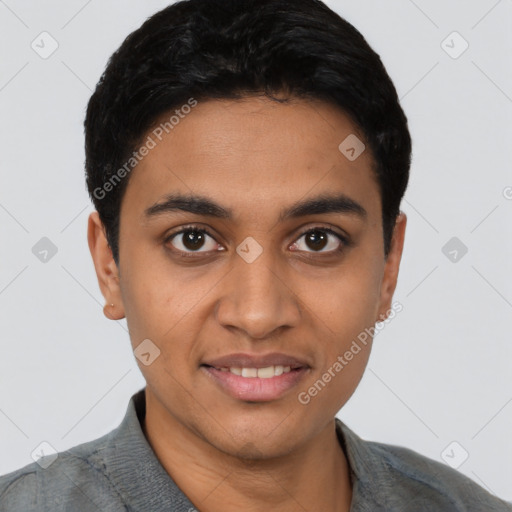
(273, 270)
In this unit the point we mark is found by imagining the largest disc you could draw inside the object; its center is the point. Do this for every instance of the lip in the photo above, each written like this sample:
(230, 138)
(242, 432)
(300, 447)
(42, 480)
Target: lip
(243, 360)
(256, 389)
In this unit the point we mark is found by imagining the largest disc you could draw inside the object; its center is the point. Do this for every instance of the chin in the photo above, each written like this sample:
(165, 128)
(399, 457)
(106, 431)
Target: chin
(254, 437)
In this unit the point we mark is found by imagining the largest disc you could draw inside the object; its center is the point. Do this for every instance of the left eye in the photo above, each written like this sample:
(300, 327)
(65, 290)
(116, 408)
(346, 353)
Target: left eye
(317, 239)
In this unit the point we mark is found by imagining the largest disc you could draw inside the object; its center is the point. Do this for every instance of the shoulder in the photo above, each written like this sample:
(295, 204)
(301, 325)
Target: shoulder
(77, 476)
(13, 486)
(392, 477)
(427, 481)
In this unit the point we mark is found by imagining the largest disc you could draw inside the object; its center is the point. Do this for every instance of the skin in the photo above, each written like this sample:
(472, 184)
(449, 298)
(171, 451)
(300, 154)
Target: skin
(256, 157)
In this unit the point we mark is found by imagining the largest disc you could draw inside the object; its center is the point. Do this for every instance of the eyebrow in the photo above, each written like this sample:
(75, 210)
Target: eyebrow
(201, 205)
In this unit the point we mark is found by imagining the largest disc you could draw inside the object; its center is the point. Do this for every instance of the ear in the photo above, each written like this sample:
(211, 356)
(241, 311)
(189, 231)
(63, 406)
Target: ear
(106, 268)
(392, 267)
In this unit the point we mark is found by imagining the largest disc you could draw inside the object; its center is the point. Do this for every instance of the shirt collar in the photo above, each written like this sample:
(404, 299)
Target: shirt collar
(144, 484)
(134, 469)
(370, 476)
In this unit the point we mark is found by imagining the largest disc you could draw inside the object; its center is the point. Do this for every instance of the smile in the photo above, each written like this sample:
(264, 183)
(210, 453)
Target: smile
(263, 373)
(255, 384)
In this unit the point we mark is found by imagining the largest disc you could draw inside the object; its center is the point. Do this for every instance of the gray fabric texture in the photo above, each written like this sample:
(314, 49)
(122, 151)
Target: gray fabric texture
(119, 472)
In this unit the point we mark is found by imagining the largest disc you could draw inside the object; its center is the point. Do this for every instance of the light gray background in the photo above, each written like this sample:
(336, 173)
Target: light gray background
(439, 372)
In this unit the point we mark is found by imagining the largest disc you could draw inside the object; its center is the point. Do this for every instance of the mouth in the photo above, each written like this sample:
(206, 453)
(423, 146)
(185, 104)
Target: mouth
(255, 378)
(267, 372)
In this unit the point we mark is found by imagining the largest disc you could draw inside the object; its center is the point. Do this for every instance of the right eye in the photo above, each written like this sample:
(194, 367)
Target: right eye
(192, 239)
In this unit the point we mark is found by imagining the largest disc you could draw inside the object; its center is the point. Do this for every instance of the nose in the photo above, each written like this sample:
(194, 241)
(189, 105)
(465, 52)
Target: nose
(257, 299)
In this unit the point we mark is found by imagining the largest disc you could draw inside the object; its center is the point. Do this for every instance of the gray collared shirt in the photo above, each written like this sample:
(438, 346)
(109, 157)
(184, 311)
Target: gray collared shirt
(120, 472)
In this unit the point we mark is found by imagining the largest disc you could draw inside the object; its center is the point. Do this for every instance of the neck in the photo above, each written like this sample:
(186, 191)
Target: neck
(315, 476)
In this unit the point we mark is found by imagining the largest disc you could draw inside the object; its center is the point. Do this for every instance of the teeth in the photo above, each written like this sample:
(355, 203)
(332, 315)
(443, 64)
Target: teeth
(249, 372)
(263, 373)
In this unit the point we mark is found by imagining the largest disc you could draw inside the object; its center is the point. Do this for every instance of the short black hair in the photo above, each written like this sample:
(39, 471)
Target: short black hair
(231, 49)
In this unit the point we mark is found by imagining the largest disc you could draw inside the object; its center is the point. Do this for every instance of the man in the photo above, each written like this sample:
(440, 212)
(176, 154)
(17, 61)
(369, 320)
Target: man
(246, 159)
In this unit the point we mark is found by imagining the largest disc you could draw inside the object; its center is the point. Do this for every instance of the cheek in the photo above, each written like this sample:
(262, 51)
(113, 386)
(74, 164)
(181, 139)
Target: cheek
(154, 311)
(161, 303)
(344, 307)
(343, 336)
(143, 293)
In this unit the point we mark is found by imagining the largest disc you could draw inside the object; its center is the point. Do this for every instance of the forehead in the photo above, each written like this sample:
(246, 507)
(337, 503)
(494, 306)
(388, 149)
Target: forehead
(254, 153)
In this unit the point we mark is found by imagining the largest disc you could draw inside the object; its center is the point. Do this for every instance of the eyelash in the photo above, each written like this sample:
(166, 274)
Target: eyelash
(345, 242)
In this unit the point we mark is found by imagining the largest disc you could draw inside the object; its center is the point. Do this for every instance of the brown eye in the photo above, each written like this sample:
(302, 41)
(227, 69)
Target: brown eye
(192, 240)
(317, 239)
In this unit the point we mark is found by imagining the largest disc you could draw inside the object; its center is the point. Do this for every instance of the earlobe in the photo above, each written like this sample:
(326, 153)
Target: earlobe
(392, 267)
(110, 311)
(106, 269)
